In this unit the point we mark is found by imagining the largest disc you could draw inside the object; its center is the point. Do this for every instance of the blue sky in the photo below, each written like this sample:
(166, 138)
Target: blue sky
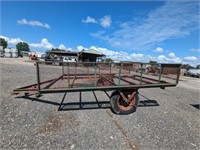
(165, 31)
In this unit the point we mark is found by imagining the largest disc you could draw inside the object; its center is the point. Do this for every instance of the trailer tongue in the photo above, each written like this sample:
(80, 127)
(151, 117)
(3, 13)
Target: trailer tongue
(124, 79)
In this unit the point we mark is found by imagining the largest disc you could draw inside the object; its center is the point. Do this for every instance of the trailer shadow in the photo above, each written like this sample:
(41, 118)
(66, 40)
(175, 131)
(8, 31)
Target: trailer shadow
(80, 105)
(197, 106)
(147, 102)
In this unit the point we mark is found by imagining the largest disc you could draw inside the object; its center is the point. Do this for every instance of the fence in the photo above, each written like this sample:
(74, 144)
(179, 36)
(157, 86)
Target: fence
(58, 75)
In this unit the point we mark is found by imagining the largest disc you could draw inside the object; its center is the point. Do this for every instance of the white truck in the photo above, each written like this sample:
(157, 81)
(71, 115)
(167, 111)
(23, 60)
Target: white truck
(69, 59)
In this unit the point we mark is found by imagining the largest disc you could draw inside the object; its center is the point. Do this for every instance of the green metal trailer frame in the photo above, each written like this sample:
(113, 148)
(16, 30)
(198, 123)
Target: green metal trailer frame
(124, 99)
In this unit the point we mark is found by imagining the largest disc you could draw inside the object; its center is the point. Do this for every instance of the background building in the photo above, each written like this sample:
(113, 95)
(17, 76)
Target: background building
(81, 56)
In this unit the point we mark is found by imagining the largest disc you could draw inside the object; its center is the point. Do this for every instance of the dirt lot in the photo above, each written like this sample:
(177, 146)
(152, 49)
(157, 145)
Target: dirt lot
(165, 119)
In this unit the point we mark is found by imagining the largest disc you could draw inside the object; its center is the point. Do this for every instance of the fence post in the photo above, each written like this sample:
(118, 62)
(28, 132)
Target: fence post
(141, 71)
(110, 67)
(178, 74)
(95, 72)
(38, 75)
(161, 69)
(75, 69)
(62, 68)
(119, 74)
(68, 73)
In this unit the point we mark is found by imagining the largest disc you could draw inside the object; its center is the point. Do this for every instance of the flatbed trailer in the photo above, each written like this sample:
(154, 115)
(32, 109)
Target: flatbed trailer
(124, 79)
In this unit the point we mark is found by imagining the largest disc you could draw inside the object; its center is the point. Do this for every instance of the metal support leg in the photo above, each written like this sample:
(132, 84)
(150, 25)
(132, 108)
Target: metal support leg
(141, 71)
(95, 73)
(119, 74)
(61, 103)
(80, 100)
(160, 74)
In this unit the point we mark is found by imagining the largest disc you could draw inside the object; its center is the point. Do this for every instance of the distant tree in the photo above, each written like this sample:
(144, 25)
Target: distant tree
(56, 49)
(108, 60)
(198, 67)
(186, 66)
(22, 46)
(3, 43)
(152, 62)
(47, 52)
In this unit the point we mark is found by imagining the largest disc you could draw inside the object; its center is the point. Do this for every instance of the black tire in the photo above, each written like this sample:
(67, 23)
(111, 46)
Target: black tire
(118, 106)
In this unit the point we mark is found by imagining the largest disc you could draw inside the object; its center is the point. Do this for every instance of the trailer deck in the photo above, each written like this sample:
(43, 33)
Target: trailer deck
(124, 78)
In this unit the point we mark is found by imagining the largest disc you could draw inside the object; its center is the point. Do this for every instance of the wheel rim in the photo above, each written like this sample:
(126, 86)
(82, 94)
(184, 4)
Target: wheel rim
(123, 105)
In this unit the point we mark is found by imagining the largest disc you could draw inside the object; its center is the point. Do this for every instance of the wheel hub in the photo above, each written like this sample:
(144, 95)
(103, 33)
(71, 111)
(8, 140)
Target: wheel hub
(123, 105)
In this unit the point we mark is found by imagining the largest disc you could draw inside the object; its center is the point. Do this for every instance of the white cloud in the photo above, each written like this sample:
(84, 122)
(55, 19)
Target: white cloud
(89, 20)
(171, 55)
(105, 21)
(62, 46)
(12, 41)
(135, 57)
(80, 48)
(195, 50)
(33, 23)
(69, 49)
(190, 59)
(162, 58)
(138, 57)
(43, 44)
(159, 50)
(174, 19)
(171, 59)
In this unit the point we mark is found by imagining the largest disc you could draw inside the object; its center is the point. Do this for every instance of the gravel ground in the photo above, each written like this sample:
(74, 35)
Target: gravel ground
(169, 122)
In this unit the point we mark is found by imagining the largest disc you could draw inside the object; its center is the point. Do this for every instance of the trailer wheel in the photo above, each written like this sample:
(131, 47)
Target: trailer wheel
(120, 107)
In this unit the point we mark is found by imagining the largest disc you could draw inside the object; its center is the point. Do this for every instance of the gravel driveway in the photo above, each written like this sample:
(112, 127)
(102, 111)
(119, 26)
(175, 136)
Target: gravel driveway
(165, 119)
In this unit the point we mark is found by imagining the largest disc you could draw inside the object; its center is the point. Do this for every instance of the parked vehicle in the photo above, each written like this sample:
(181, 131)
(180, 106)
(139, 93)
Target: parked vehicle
(33, 57)
(193, 73)
(43, 56)
(69, 59)
(48, 60)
